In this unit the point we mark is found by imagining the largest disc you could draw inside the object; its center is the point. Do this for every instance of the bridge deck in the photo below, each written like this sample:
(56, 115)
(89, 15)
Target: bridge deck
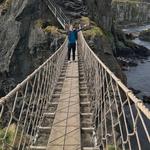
(65, 134)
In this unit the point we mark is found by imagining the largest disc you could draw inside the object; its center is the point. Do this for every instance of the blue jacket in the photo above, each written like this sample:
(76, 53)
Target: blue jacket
(72, 36)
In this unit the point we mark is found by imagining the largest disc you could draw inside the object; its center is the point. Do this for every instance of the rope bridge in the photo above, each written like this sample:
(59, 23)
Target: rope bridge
(33, 112)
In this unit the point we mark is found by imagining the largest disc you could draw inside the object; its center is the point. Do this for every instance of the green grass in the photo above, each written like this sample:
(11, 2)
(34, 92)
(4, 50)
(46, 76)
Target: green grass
(85, 20)
(39, 23)
(93, 32)
(51, 29)
(6, 4)
(10, 135)
(111, 147)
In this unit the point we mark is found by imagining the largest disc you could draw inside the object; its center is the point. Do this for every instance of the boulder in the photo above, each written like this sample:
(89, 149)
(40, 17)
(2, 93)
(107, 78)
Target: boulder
(145, 35)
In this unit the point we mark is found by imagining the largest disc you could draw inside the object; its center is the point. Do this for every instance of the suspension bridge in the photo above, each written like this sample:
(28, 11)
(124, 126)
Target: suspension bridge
(73, 106)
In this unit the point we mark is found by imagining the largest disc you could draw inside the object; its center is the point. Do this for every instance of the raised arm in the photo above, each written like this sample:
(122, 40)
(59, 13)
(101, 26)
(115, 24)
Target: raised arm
(82, 28)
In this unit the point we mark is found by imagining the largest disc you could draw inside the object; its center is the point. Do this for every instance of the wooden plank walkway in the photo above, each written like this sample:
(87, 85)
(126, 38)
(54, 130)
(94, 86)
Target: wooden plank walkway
(65, 134)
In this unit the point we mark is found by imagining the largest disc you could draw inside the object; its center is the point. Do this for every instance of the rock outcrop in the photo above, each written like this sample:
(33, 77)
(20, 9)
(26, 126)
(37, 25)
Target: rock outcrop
(100, 12)
(100, 42)
(74, 9)
(24, 44)
(131, 12)
(145, 35)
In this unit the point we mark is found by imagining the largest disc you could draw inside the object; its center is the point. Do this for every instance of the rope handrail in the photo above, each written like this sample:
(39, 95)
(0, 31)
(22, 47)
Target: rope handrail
(21, 111)
(121, 85)
(11, 93)
(120, 119)
(57, 12)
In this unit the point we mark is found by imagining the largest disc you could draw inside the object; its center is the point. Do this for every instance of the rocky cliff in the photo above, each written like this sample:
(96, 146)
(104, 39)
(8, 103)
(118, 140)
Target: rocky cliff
(131, 12)
(25, 44)
(99, 37)
(145, 35)
(103, 40)
(24, 40)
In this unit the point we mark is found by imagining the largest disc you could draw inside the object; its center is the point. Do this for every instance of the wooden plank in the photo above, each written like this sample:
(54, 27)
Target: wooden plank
(65, 133)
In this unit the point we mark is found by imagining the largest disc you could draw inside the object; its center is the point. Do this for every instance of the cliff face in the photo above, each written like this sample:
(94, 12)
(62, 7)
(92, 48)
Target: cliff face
(131, 12)
(97, 10)
(100, 11)
(74, 9)
(103, 45)
(24, 44)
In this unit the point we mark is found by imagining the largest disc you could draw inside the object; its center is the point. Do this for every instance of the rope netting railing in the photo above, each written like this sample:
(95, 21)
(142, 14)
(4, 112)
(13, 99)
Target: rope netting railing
(121, 121)
(58, 13)
(21, 111)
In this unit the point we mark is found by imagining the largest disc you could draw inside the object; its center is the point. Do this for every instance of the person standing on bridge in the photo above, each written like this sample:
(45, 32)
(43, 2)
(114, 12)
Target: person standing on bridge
(72, 34)
(72, 39)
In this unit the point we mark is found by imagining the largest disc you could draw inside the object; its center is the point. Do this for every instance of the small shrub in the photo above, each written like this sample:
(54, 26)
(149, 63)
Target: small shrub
(10, 134)
(94, 31)
(111, 147)
(39, 23)
(8, 3)
(51, 29)
(85, 20)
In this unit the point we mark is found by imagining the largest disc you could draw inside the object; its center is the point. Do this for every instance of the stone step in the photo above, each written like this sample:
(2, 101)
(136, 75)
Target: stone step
(83, 88)
(53, 103)
(49, 115)
(61, 79)
(84, 95)
(56, 96)
(85, 109)
(83, 82)
(91, 129)
(44, 128)
(38, 147)
(86, 114)
(81, 103)
(85, 103)
(91, 148)
(58, 88)
(60, 83)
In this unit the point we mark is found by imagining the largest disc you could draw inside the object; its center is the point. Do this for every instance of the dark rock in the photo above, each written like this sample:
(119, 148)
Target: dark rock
(130, 12)
(74, 9)
(146, 99)
(132, 64)
(130, 36)
(135, 91)
(23, 42)
(145, 35)
(124, 69)
(2, 93)
(125, 63)
(142, 61)
(3, 12)
(100, 12)
(1, 1)
(126, 48)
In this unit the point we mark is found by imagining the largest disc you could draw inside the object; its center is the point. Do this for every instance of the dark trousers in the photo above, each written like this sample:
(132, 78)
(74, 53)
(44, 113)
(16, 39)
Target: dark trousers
(71, 47)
